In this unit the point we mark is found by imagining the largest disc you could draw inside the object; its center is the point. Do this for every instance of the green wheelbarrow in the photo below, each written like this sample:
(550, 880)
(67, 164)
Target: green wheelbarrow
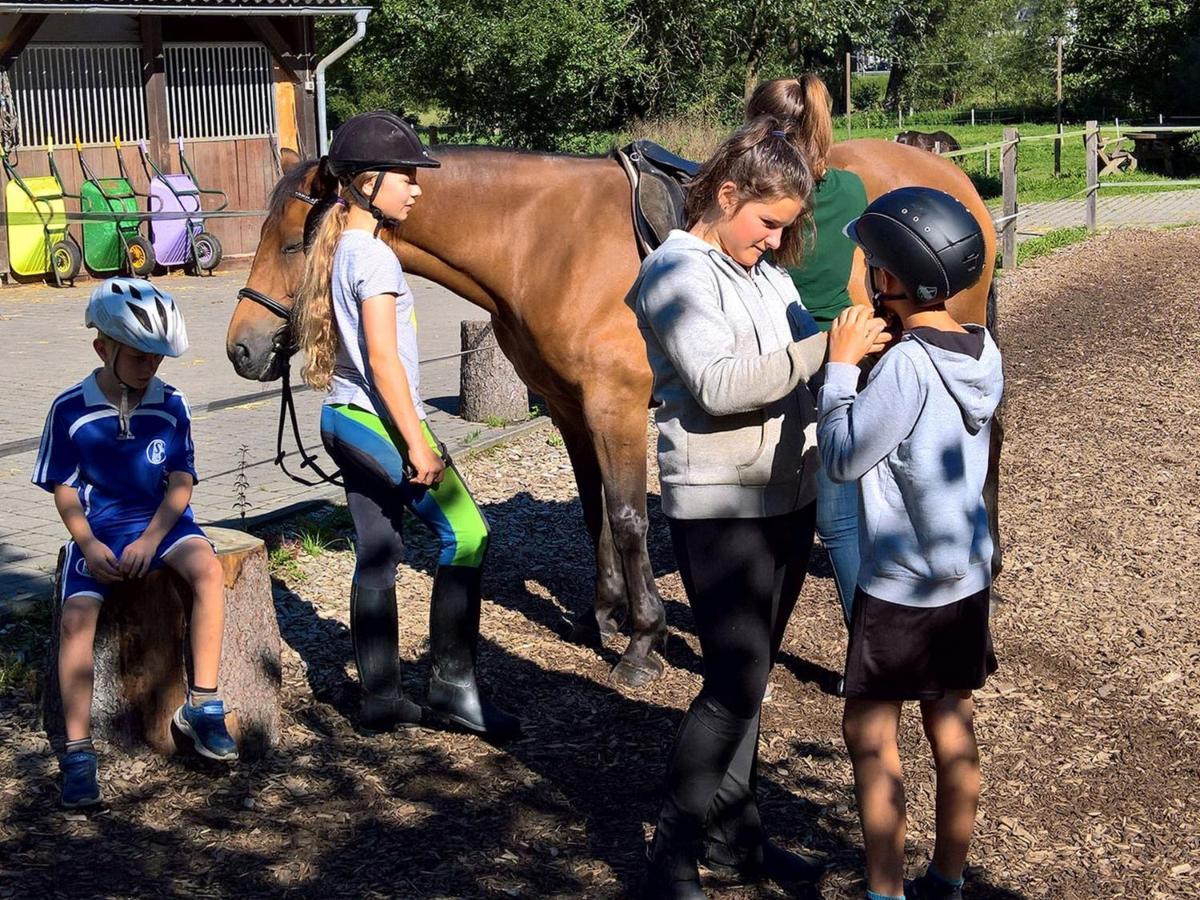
(112, 243)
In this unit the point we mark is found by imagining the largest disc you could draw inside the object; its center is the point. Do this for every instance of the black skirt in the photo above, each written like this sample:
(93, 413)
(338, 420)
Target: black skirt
(917, 653)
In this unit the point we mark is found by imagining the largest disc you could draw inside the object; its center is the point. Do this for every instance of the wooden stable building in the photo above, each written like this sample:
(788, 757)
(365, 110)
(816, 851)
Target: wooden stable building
(237, 80)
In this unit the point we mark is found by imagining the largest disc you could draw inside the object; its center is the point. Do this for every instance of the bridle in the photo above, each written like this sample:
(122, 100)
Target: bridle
(287, 404)
(265, 300)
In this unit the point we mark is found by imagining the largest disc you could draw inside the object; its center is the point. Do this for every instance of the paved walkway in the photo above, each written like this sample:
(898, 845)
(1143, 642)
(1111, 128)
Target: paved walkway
(1145, 209)
(46, 349)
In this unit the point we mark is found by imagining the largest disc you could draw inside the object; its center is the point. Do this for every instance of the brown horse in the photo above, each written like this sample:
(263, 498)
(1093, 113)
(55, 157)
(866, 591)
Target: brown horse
(545, 244)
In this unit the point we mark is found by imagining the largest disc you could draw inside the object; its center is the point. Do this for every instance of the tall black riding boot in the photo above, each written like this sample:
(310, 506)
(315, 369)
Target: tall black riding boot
(454, 695)
(735, 844)
(707, 741)
(374, 632)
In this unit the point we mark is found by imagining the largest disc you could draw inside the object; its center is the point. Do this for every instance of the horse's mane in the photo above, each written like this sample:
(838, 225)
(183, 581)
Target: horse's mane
(293, 179)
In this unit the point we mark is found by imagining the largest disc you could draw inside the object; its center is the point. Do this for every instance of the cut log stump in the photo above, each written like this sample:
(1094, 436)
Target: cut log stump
(489, 387)
(142, 656)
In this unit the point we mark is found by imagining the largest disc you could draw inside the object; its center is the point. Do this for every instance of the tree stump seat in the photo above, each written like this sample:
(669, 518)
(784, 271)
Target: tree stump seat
(142, 656)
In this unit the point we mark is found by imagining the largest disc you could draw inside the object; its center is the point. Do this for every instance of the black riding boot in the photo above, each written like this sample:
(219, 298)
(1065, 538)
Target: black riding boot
(454, 695)
(707, 741)
(736, 845)
(375, 634)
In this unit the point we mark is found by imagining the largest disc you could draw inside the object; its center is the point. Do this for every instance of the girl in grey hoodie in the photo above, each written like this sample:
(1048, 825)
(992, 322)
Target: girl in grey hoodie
(732, 347)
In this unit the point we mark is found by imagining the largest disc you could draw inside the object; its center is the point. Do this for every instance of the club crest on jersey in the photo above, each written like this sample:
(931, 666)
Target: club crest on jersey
(156, 452)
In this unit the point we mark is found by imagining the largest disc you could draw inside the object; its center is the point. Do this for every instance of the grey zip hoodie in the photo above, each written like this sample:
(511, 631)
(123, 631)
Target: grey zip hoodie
(736, 422)
(917, 438)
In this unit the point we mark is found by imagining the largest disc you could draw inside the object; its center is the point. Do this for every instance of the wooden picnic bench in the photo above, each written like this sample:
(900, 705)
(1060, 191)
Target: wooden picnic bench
(1154, 147)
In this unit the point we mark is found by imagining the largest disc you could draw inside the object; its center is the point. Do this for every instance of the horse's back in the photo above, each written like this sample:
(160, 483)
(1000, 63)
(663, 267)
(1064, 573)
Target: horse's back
(886, 165)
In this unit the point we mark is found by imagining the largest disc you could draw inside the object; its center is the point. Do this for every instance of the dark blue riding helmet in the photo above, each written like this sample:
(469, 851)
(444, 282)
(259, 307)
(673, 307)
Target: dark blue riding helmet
(924, 237)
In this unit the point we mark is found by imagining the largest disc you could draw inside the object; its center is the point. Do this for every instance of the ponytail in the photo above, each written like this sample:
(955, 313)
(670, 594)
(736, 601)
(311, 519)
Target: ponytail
(764, 160)
(805, 103)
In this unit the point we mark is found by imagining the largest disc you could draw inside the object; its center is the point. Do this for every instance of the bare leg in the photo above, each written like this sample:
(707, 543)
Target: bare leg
(870, 728)
(77, 633)
(951, 733)
(196, 562)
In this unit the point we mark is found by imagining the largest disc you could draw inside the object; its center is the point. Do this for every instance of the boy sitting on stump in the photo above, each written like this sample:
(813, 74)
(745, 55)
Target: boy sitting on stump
(117, 454)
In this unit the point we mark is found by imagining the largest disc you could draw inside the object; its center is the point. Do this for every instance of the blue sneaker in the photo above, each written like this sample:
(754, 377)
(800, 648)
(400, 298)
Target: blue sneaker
(205, 725)
(79, 787)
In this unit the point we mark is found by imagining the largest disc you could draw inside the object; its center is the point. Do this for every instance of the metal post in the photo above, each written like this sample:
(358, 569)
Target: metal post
(972, 117)
(849, 107)
(1008, 180)
(1058, 98)
(1092, 143)
(987, 161)
(360, 31)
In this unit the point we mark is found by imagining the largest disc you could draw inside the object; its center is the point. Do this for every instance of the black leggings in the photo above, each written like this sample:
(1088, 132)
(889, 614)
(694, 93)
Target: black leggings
(742, 578)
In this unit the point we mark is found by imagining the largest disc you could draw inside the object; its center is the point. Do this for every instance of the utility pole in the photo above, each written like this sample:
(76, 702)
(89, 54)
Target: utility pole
(1058, 95)
(848, 106)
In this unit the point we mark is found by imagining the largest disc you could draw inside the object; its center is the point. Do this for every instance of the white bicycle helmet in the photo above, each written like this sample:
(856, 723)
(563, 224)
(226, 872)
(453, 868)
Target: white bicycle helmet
(135, 312)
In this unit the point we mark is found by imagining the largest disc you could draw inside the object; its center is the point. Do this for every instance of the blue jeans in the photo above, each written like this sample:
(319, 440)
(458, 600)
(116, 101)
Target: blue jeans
(837, 524)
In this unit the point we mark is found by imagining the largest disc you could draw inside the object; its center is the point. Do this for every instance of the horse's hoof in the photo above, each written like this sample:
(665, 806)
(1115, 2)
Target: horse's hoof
(634, 674)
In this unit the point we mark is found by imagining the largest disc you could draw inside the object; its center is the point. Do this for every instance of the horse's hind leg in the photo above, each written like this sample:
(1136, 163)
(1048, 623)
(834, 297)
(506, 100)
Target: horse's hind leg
(597, 625)
(618, 428)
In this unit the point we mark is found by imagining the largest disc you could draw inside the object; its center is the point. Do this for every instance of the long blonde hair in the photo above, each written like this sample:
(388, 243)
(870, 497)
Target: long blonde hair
(764, 161)
(804, 103)
(315, 328)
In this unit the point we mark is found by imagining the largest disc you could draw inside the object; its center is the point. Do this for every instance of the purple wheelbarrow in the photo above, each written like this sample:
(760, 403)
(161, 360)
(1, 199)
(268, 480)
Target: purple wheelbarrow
(177, 217)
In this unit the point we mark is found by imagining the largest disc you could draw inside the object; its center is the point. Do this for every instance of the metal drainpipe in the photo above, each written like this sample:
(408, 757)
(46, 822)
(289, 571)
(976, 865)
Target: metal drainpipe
(360, 31)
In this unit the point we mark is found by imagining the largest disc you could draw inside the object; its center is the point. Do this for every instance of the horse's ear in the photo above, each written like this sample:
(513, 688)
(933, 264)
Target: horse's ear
(325, 183)
(288, 159)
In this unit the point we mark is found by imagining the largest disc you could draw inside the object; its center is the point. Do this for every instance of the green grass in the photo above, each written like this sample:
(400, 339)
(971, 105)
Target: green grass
(473, 437)
(1035, 161)
(496, 422)
(1047, 243)
(554, 439)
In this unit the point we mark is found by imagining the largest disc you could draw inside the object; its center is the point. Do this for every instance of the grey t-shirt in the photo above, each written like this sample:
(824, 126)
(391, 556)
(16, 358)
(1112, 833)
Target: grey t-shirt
(363, 267)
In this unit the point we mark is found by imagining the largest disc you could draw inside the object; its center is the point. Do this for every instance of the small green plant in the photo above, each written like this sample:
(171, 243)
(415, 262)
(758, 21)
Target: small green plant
(472, 437)
(554, 439)
(241, 484)
(282, 562)
(495, 422)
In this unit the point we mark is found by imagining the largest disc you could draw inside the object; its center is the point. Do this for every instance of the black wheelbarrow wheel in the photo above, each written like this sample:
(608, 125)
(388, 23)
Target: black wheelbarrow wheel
(208, 251)
(66, 260)
(139, 256)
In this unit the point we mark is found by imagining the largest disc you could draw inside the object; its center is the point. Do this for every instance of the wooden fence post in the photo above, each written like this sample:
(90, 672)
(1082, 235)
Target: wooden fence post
(489, 387)
(1092, 142)
(1008, 180)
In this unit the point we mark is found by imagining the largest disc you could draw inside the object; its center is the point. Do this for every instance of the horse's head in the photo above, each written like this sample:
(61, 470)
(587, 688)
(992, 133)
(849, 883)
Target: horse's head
(259, 340)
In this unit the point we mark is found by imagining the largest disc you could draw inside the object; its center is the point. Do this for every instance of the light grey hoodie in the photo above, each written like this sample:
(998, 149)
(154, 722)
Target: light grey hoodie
(736, 422)
(917, 438)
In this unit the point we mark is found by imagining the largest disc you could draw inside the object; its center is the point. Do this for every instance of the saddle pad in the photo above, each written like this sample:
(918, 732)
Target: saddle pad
(822, 276)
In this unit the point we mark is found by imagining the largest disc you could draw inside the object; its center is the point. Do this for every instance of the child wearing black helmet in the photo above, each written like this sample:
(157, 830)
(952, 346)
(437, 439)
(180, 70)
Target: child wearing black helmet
(117, 455)
(916, 438)
(357, 328)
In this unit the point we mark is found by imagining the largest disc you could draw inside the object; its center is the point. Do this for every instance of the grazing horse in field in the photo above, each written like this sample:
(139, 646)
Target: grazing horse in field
(933, 141)
(545, 243)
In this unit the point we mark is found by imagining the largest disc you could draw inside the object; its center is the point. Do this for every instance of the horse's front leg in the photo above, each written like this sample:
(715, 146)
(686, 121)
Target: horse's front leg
(617, 420)
(598, 625)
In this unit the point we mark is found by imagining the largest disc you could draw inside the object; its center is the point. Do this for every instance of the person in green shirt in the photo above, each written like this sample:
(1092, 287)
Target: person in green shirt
(821, 280)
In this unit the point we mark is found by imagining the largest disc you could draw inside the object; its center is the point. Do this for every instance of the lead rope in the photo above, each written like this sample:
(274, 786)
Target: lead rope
(287, 409)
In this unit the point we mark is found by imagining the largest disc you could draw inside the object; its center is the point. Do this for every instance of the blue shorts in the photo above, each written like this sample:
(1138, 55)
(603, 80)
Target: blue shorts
(78, 581)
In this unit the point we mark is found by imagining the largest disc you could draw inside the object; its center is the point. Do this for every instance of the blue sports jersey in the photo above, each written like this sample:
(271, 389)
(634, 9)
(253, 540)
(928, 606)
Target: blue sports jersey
(121, 482)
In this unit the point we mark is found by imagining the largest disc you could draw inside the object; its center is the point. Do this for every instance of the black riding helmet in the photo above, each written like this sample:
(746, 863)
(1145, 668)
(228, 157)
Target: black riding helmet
(924, 237)
(375, 142)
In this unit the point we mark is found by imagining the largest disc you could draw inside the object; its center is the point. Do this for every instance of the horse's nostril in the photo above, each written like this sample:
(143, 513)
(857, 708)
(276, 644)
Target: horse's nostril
(241, 353)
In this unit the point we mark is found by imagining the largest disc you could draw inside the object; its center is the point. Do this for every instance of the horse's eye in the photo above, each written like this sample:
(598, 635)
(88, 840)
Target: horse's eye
(293, 248)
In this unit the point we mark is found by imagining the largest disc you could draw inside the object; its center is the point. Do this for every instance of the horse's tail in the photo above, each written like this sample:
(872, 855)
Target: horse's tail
(805, 103)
